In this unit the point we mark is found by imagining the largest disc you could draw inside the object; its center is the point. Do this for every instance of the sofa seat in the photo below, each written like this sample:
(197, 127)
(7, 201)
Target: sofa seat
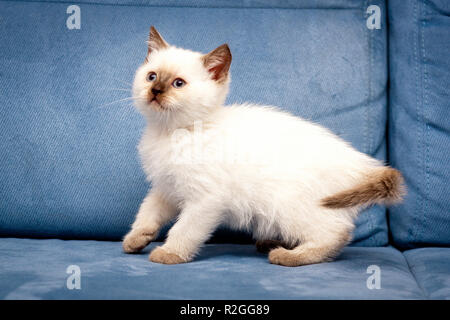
(430, 268)
(36, 269)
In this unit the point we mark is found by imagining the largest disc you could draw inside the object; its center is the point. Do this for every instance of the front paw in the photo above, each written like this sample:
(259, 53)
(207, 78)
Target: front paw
(136, 240)
(159, 255)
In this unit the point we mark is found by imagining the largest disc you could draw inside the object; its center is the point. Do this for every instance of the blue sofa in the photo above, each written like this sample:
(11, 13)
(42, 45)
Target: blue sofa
(375, 72)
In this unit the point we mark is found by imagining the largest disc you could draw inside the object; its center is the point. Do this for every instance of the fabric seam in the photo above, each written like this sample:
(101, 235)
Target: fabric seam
(175, 6)
(426, 145)
(424, 292)
(413, 230)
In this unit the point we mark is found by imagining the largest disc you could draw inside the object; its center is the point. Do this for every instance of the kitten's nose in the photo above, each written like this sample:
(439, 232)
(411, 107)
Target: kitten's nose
(156, 91)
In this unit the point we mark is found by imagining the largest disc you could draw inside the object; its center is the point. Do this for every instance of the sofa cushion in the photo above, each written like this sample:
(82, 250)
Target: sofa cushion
(36, 269)
(431, 269)
(69, 165)
(419, 130)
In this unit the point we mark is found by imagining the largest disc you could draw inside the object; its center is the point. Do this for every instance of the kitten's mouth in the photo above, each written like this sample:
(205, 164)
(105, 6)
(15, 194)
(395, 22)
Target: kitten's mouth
(155, 100)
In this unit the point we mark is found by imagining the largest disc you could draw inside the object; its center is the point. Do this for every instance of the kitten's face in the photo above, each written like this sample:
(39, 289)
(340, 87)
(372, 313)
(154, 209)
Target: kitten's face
(181, 83)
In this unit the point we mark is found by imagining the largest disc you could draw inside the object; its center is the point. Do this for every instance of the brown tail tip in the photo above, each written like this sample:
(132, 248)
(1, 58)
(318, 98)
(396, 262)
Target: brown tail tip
(384, 185)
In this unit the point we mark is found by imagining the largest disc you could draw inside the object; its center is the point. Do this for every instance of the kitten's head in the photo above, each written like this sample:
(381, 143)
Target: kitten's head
(180, 85)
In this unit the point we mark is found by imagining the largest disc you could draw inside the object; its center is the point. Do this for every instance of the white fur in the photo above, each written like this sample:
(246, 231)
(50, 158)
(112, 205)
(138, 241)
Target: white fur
(246, 166)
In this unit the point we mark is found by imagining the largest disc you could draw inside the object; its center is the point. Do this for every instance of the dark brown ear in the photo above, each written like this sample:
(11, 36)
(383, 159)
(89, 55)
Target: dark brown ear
(218, 62)
(155, 41)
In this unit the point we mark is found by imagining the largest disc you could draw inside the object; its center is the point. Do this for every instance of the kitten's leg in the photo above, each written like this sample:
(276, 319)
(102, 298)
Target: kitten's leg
(310, 251)
(153, 213)
(195, 225)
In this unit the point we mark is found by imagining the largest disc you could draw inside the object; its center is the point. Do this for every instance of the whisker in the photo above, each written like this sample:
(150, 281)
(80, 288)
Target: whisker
(117, 101)
(127, 83)
(116, 89)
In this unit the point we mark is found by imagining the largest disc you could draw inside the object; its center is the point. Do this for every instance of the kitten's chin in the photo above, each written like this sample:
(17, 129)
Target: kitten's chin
(157, 106)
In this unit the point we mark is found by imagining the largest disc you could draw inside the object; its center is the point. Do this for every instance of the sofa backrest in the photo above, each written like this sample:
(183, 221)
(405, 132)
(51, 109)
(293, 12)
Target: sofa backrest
(69, 166)
(419, 122)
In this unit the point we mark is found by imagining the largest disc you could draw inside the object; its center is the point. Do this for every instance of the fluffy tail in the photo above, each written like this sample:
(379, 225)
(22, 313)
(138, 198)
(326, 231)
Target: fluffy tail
(383, 185)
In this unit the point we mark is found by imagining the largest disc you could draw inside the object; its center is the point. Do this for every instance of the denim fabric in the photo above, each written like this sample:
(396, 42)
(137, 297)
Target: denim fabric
(69, 165)
(287, 4)
(36, 269)
(419, 130)
(431, 269)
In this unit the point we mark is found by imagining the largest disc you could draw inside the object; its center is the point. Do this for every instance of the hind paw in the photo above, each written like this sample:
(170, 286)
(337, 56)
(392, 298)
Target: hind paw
(283, 257)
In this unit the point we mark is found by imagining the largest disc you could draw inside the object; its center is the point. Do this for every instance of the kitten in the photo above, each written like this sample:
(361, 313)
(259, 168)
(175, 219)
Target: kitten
(295, 185)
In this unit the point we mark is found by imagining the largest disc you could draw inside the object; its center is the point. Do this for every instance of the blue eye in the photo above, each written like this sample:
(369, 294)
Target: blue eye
(151, 77)
(178, 83)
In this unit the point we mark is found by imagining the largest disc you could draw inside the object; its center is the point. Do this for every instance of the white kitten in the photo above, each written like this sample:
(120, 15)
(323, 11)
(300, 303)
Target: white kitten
(295, 185)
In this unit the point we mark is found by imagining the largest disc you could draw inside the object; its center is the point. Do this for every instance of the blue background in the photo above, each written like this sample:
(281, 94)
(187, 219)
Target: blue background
(69, 165)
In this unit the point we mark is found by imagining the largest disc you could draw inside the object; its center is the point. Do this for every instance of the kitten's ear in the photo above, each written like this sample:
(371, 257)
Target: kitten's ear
(218, 62)
(155, 41)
